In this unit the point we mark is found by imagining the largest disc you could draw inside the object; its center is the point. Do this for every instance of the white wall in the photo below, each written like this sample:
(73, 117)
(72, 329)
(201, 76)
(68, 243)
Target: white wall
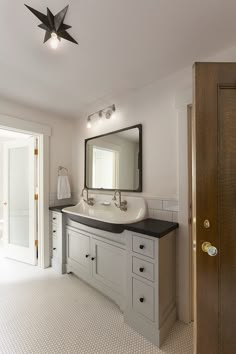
(61, 141)
(154, 108)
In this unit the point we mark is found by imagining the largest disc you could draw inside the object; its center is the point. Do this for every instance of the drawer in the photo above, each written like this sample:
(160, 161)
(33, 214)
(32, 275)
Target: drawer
(54, 217)
(143, 246)
(143, 299)
(54, 247)
(54, 231)
(143, 268)
(54, 242)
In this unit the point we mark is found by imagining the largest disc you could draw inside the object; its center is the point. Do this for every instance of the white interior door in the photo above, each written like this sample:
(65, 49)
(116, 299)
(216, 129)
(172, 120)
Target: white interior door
(20, 207)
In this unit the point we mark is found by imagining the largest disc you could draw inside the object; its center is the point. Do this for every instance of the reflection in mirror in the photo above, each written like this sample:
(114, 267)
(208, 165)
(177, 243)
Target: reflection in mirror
(113, 161)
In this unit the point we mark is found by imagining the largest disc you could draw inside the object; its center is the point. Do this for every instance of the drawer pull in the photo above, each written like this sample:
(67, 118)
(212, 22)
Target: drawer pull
(54, 231)
(54, 218)
(141, 269)
(54, 249)
(93, 258)
(87, 255)
(141, 299)
(141, 247)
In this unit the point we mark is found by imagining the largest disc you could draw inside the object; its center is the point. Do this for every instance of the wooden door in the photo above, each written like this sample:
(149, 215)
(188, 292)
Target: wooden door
(214, 206)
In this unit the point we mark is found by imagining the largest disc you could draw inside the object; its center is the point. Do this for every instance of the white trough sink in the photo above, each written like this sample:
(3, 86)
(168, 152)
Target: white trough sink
(109, 213)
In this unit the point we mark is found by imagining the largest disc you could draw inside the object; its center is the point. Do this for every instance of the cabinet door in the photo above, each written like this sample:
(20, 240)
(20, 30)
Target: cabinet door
(78, 246)
(108, 265)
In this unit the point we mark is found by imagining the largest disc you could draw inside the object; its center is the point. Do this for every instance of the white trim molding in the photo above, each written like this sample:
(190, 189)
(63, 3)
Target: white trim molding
(183, 244)
(24, 126)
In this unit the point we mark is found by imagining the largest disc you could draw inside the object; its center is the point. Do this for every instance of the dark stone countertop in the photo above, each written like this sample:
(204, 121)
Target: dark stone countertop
(59, 208)
(151, 227)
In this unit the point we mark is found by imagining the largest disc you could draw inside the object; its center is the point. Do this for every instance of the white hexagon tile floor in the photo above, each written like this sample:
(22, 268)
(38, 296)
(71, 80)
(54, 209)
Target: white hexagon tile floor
(43, 312)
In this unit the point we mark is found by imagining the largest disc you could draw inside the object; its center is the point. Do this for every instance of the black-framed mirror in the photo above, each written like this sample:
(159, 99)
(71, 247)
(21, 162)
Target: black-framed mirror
(114, 160)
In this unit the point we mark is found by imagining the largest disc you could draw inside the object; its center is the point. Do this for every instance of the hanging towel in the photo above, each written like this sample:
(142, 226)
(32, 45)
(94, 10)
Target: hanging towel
(63, 187)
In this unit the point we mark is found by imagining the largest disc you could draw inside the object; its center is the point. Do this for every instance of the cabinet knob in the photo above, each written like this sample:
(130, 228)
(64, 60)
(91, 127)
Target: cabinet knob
(93, 258)
(87, 255)
(141, 247)
(141, 299)
(54, 218)
(54, 231)
(141, 269)
(54, 249)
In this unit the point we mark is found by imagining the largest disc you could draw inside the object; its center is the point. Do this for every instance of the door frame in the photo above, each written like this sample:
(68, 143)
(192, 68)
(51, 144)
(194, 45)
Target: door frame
(184, 244)
(43, 132)
(190, 203)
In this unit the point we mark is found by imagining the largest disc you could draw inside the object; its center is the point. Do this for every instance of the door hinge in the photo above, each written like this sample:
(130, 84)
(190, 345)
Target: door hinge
(36, 197)
(36, 152)
(36, 243)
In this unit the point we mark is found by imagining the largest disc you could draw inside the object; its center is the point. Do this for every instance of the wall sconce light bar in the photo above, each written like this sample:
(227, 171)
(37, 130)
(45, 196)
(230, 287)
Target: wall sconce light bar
(105, 112)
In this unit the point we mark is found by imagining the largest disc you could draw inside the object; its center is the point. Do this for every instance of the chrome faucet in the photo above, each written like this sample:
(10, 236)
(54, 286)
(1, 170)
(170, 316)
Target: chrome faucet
(87, 200)
(121, 205)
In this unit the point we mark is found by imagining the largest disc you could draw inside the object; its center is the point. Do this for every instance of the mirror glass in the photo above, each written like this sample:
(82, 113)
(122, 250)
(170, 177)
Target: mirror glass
(114, 160)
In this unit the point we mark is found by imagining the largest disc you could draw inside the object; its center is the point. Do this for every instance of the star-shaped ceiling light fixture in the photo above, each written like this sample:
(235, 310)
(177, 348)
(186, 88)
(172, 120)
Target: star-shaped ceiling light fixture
(54, 26)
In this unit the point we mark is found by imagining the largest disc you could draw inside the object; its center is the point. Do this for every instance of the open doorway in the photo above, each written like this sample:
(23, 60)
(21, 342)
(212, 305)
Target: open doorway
(19, 177)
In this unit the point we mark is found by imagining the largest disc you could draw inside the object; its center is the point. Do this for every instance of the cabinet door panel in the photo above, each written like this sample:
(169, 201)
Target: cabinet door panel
(78, 248)
(109, 265)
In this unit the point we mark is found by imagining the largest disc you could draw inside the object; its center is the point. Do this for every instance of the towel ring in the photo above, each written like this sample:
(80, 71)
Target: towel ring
(60, 169)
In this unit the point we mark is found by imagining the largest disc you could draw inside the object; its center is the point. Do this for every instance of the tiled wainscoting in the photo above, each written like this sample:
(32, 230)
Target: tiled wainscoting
(163, 209)
(158, 208)
(53, 201)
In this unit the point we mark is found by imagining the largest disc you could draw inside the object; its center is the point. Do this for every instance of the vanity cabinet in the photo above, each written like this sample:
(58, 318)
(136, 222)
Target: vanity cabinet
(99, 261)
(133, 268)
(57, 242)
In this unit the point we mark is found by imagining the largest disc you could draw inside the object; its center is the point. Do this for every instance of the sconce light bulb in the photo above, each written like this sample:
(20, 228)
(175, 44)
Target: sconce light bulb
(100, 116)
(89, 124)
(54, 41)
(108, 114)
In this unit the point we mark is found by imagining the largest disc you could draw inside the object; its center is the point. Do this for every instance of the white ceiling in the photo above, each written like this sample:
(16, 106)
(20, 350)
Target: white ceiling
(123, 45)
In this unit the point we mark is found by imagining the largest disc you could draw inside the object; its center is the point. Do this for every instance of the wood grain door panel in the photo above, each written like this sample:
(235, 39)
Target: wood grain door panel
(214, 176)
(227, 218)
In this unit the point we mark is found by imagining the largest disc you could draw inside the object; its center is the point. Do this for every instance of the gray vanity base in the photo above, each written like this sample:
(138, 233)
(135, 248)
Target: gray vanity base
(134, 270)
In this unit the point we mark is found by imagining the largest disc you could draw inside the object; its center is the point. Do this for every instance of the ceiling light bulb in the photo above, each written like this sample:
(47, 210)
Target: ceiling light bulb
(89, 124)
(54, 42)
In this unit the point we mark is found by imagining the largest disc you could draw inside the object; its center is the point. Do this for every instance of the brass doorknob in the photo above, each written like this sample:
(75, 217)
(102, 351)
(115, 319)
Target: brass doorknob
(209, 249)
